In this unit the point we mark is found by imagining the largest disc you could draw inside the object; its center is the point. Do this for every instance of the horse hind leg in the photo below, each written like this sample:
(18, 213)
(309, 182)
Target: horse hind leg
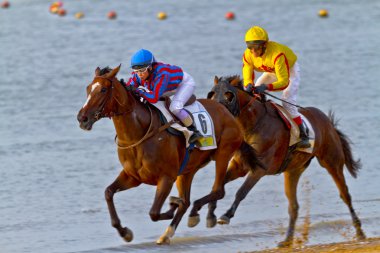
(338, 176)
(122, 182)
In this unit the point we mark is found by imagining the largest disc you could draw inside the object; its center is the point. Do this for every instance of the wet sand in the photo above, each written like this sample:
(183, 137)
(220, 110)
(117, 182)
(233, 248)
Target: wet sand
(367, 246)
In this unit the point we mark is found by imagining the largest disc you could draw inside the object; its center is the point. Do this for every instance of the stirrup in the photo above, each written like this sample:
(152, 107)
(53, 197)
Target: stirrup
(195, 137)
(303, 144)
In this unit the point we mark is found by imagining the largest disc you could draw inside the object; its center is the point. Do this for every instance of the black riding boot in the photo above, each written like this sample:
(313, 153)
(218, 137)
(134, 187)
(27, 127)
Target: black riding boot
(304, 143)
(196, 134)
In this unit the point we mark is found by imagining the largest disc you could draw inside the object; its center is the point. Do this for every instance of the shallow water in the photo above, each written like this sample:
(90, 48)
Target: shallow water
(53, 174)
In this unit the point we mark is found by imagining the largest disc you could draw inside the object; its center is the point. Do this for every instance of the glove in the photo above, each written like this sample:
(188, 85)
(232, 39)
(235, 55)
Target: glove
(130, 88)
(139, 92)
(260, 89)
(122, 82)
(249, 88)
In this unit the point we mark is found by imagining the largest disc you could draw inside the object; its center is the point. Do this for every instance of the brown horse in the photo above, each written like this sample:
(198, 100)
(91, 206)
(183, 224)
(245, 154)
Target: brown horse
(152, 156)
(268, 134)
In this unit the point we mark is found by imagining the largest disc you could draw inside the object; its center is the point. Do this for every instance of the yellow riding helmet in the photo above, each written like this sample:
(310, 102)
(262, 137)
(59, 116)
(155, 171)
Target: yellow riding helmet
(256, 33)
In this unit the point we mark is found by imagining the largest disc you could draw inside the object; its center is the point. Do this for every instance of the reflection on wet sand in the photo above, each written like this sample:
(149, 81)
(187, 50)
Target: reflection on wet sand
(370, 245)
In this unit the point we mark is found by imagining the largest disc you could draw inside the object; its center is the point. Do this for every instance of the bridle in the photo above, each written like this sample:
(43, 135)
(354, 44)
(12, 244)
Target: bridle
(149, 133)
(100, 112)
(237, 109)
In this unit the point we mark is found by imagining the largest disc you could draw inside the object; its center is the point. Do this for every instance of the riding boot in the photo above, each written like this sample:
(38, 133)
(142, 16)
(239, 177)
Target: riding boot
(196, 134)
(304, 143)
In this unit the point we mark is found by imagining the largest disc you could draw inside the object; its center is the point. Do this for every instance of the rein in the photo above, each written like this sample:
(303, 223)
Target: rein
(282, 100)
(99, 114)
(149, 133)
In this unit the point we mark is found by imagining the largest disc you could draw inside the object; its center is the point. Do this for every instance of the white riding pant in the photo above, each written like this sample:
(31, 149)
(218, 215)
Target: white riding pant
(183, 93)
(290, 93)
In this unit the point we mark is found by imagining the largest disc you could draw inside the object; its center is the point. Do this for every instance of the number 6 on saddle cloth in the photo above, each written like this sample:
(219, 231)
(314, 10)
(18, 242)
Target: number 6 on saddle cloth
(201, 118)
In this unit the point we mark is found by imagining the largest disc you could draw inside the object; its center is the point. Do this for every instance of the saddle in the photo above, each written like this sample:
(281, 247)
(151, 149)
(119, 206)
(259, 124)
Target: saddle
(168, 101)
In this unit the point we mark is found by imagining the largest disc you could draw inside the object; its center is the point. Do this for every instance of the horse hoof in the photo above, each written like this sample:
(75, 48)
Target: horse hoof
(163, 240)
(211, 222)
(224, 220)
(361, 236)
(127, 234)
(193, 221)
(284, 244)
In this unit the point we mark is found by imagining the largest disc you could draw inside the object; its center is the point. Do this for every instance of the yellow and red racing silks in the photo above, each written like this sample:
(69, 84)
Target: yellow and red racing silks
(277, 59)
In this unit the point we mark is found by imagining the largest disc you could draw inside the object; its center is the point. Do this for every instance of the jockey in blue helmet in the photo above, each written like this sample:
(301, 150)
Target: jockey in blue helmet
(161, 80)
(141, 59)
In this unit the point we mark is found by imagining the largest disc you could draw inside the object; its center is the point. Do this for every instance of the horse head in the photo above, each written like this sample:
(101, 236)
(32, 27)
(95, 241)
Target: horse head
(105, 98)
(227, 92)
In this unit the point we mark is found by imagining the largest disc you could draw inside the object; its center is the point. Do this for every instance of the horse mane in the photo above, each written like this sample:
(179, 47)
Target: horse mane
(238, 84)
(105, 70)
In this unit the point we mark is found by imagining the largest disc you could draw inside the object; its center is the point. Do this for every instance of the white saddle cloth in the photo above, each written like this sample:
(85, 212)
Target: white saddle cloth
(202, 120)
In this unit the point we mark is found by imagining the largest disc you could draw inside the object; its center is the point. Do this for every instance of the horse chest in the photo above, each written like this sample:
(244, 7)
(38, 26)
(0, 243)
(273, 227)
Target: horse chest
(144, 170)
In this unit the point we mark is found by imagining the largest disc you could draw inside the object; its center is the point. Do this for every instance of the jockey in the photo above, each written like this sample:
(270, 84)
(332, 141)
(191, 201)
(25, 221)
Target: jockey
(281, 72)
(160, 80)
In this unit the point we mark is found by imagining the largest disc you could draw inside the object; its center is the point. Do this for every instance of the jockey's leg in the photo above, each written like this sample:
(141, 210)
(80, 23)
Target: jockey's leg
(290, 96)
(304, 143)
(187, 120)
(181, 96)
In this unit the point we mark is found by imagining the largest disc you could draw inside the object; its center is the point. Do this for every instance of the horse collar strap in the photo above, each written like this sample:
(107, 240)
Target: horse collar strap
(148, 133)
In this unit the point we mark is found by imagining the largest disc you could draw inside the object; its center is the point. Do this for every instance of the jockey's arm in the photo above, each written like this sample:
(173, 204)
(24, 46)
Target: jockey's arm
(282, 69)
(133, 81)
(248, 70)
(160, 85)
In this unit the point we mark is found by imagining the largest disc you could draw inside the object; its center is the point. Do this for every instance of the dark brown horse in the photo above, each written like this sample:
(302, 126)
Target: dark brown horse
(151, 156)
(268, 134)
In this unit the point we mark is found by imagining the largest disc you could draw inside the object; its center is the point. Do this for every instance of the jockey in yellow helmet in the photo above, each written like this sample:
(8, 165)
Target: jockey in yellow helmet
(281, 72)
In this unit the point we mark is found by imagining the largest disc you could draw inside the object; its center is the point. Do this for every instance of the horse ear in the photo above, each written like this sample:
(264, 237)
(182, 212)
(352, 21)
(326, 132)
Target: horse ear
(216, 79)
(114, 72)
(235, 81)
(97, 71)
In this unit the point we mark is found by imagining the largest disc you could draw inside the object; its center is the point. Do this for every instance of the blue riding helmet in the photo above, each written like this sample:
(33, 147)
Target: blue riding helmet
(141, 59)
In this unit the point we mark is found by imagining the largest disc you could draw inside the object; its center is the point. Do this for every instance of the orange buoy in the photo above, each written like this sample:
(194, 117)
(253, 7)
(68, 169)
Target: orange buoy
(229, 15)
(54, 9)
(5, 4)
(112, 15)
(162, 16)
(323, 13)
(79, 15)
(58, 3)
(61, 12)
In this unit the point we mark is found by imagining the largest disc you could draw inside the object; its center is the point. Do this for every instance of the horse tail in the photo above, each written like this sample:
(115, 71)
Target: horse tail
(249, 157)
(352, 165)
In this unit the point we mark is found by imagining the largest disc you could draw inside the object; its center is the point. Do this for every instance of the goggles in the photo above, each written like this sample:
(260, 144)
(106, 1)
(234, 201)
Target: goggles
(255, 45)
(140, 69)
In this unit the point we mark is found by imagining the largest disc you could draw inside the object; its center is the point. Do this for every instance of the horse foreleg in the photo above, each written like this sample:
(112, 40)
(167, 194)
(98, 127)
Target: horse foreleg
(233, 172)
(183, 202)
(290, 184)
(217, 192)
(164, 186)
(122, 182)
(243, 191)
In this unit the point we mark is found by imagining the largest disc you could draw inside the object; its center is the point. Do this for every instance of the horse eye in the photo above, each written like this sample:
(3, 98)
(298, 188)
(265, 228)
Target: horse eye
(103, 90)
(229, 96)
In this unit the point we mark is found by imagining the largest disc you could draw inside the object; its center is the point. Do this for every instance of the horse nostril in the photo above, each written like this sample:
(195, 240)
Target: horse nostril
(84, 119)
